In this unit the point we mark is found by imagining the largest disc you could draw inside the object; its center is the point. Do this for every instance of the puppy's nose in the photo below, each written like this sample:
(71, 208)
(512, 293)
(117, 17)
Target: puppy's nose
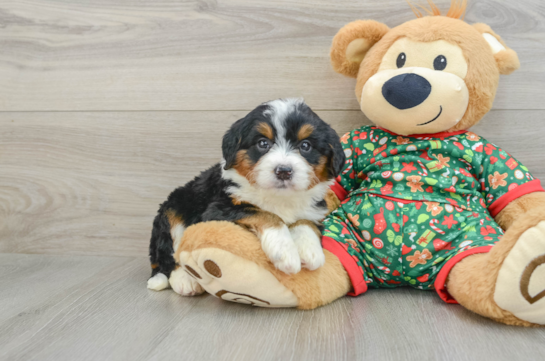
(283, 173)
(406, 90)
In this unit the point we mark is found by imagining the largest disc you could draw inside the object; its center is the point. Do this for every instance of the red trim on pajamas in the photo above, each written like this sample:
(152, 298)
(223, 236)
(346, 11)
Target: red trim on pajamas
(441, 280)
(351, 267)
(521, 190)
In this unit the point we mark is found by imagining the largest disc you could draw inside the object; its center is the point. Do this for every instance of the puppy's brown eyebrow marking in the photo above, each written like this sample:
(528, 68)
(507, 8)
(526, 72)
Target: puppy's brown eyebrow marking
(305, 131)
(266, 130)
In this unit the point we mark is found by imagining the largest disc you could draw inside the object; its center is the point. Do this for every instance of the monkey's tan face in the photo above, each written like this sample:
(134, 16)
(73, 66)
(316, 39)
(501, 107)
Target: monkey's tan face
(418, 89)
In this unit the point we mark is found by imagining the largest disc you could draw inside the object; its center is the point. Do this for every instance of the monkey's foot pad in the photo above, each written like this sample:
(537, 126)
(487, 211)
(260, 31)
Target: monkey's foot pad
(235, 279)
(520, 287)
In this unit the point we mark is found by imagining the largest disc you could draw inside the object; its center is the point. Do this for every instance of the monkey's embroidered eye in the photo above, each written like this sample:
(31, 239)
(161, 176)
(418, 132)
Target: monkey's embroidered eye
(440, 63)
(401, 59)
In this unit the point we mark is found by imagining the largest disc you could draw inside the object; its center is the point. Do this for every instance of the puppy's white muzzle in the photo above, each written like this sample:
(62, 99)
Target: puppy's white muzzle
(283, 168)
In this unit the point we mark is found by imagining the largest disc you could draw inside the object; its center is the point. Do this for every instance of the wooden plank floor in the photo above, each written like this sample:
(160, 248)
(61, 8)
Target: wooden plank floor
(96, 308)
(107, 105)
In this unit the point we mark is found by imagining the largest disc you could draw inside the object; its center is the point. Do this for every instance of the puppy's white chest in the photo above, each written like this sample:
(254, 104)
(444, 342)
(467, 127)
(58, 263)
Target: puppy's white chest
(291, 213)
(297, 206)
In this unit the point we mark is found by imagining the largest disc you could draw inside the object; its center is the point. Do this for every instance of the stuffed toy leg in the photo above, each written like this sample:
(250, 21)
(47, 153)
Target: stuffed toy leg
(228, 262)
(508, 283)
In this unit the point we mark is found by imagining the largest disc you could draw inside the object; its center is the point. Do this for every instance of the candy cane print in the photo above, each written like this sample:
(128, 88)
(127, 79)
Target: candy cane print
(371, 138)
(434, 227)
(385, 269)
(466, 162)
(490, 198)
(350, 163)
(424, 170)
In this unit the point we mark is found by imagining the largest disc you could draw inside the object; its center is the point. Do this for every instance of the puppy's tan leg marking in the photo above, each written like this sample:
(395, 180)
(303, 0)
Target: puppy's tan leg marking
(331, 200)
(276, 240)
(176, 228)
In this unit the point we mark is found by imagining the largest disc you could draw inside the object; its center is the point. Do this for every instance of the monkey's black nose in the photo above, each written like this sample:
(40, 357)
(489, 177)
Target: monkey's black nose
(406, 90)
(283, 173)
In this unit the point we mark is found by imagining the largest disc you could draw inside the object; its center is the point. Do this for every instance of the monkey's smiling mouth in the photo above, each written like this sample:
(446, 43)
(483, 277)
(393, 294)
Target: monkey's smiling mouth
(434, 119)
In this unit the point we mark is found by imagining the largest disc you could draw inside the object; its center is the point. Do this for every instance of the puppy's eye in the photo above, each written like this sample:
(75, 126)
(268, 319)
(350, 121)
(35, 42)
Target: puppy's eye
(263, 144)
(305, 146)
(440, 63)
(401, 59)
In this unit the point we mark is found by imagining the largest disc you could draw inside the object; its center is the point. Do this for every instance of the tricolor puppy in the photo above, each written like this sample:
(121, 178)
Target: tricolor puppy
(279, 161)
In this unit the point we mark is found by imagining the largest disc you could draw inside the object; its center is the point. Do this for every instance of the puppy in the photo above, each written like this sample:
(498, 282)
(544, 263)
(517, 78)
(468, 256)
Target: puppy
(279, 162)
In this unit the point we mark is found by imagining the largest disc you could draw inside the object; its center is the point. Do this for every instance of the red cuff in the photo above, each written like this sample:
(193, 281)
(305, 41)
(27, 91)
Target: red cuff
(523, 189)
(441, 279)
(349, 264)
(339, 191)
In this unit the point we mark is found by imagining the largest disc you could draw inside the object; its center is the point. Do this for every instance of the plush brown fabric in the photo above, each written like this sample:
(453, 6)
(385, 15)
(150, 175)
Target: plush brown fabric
(370, 30)
(506, 60)
(312, 288)
(472, 281)
(519, 207)
(320, 287)
(457, 9)
(483, 74)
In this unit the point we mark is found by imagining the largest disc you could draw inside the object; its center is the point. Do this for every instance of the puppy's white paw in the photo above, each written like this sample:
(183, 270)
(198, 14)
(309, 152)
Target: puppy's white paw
(184, 284)
(289, 263)
(309, 247)
(158, 282)
(279, 247)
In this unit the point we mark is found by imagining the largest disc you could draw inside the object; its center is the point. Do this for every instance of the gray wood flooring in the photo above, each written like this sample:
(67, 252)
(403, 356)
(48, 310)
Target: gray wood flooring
(96, 308)
(107, 105)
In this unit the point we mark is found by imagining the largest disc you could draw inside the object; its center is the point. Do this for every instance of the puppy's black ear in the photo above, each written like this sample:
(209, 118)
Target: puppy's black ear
(232, 142)
(338, 158)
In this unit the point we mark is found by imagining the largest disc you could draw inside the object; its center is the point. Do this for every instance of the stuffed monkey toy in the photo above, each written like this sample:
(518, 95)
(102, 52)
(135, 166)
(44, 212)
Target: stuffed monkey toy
(423, 201)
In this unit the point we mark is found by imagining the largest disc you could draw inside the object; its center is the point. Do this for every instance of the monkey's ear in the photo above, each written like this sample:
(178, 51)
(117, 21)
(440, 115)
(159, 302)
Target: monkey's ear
(351, 44)
(506, 58)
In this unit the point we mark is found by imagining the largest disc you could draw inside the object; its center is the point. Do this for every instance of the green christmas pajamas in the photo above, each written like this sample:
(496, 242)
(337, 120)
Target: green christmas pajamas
(412, 207)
